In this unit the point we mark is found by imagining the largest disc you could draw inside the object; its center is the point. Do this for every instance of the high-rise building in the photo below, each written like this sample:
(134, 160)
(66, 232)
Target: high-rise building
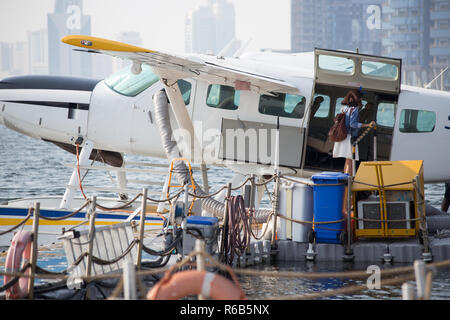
(210, 28)
(38, 51)
(408, 37)
(440, 42)
(417, 31)
(6, 58)
(336, 24)
(20, 58)
(315, 24)
(67, 19)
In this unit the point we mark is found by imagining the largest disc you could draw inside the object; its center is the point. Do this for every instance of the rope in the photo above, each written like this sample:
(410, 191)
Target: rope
(381, 220)
(311, 222)
(164, 252)
(66, 216)
(242, 184)
(208, 195)
(311, 184)
(78, 171)
(344, 290)
(14, 280)
(125, 205)
(187, 260)
(265, 182)
(167, 199)
(385, 186)
(265, 228)
(278, 274)
(103, 262)
(19, 224)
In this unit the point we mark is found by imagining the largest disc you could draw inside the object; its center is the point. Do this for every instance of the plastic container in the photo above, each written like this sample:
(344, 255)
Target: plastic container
(296, 201)
(328, 201)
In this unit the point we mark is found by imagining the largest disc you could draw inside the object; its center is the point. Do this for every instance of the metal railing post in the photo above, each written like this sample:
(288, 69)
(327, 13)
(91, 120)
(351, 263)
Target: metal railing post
(129, 280)
(426, 254)
(34, 250)
(275, 207)
(186, 199)
(225, 224)
(251, 209)
(348, 249)
(419, 271)
(200, 246)
(92, 214)
(408, 291)
(141, 228)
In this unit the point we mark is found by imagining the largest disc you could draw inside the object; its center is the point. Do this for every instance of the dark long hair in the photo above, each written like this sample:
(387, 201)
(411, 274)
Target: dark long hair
(353, 98)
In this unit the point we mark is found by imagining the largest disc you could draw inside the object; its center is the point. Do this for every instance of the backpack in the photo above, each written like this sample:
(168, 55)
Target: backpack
(338, 130)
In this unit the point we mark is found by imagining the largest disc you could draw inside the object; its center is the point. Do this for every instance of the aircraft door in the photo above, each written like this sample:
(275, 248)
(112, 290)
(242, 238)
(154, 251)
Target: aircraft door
(337, 72)
(250, 136)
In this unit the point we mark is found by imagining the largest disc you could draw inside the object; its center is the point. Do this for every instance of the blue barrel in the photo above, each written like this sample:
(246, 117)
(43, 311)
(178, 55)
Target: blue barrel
(328, 201)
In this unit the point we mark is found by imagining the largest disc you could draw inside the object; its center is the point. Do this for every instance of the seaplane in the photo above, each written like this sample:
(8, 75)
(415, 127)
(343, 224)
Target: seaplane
(253, 113)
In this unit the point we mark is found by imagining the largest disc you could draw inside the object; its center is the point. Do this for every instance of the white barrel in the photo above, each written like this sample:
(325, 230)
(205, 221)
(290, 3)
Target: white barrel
(296, 202)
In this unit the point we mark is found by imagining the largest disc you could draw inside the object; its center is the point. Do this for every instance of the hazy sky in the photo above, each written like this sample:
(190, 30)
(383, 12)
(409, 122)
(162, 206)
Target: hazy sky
(160, 22)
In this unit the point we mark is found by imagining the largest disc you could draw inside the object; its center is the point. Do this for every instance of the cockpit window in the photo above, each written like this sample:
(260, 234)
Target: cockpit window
(129, 84)
(185, 88)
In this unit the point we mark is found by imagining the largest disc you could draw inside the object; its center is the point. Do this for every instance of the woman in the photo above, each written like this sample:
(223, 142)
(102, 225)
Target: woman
(343, 149)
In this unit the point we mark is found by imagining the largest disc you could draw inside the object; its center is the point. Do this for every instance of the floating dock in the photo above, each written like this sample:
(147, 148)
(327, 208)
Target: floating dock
(401, 228)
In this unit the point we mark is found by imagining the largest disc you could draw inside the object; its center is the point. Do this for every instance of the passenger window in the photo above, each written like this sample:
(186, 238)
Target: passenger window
(338, 64)
(283, 105)
(222, 97)
(321, 110)
(380, 70)
(386, 114)
(185, 88)
(417, 121)
(339, 105)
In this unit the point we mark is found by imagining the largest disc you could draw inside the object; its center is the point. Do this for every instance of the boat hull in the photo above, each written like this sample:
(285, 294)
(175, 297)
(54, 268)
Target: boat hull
(14, 212)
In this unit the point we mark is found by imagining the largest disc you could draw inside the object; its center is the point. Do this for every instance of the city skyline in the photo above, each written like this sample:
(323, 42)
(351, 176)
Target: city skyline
(160, 23)
(418, 32)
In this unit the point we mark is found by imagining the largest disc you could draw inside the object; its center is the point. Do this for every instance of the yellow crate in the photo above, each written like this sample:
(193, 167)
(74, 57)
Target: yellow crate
(394, 180)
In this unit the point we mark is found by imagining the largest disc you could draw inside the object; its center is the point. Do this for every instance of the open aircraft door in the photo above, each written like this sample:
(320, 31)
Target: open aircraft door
(335, 73)
(354, 70)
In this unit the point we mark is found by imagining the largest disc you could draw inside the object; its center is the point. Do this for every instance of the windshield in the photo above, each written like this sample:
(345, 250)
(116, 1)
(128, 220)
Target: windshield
(129, 84)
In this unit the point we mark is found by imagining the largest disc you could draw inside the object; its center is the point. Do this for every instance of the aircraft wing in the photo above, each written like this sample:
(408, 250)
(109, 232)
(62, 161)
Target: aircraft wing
(170, 66)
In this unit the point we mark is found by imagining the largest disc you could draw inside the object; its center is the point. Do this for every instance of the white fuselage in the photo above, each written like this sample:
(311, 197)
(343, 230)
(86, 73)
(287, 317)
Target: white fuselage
(126, 124)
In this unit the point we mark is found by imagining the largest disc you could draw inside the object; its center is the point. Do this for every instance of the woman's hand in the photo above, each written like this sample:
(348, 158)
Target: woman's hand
(372, 124)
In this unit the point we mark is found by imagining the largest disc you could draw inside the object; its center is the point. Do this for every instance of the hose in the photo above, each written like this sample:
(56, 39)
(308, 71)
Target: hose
(181, 172)
(238, 236)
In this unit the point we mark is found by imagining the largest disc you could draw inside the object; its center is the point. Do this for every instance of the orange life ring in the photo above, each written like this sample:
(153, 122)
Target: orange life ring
(18, 254)
(193, 282)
